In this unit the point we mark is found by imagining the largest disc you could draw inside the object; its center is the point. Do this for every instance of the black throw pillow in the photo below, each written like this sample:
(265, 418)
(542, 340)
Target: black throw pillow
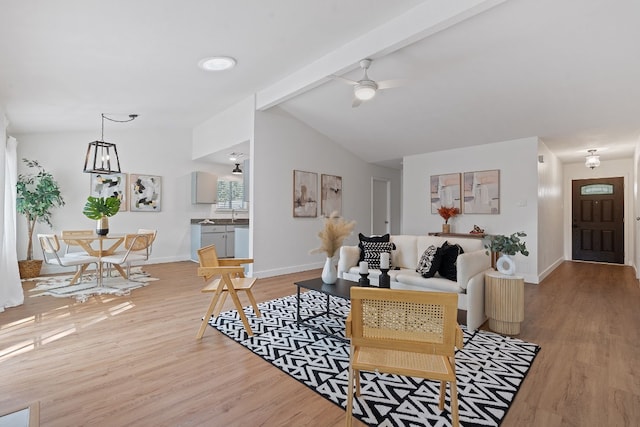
(372, 251)
(430, 261)
(370, 239)
(448, 266)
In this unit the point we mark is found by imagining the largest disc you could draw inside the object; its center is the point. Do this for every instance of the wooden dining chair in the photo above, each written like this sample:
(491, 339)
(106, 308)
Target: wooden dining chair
(73, 246)
(137, 249)
(52, 255)
(230, 279)
(411, 333)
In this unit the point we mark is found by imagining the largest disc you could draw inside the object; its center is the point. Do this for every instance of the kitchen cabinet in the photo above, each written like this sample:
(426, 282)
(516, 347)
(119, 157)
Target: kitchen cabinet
(204, 187)
(223, 236)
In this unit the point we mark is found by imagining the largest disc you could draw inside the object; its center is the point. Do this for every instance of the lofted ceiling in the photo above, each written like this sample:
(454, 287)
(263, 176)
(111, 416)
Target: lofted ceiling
(473, 71)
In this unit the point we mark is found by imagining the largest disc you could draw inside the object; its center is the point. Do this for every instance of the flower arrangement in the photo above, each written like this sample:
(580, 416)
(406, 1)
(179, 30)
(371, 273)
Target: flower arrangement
(448, 212)
(335, 230)
(508, 245)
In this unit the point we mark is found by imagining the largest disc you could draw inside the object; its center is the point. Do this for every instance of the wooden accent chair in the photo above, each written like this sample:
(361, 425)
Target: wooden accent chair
(231, 280)
(51, 254)
(75, 247)
(411, 333)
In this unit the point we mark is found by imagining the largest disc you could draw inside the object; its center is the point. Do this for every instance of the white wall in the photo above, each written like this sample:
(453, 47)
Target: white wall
(281, 243)
(517, 162)
(550, 212)
(156, 152)
(608, 168)
(636, 209)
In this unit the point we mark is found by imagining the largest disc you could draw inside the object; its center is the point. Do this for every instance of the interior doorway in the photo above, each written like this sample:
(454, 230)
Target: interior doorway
(380, 206)
(598, 220)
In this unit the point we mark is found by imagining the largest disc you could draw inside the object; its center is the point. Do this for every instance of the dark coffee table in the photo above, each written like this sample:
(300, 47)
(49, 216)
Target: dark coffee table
(340, 289)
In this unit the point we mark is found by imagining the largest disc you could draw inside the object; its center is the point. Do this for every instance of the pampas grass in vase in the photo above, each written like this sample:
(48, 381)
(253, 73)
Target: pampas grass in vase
(335, 230)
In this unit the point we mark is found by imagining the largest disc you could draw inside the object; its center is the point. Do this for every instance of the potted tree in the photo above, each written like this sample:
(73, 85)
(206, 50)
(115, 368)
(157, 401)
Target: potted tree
(37, 194)
(100, 209)
(507, 246)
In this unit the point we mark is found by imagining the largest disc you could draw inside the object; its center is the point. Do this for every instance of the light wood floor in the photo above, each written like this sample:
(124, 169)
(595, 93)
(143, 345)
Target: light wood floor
(134, 361)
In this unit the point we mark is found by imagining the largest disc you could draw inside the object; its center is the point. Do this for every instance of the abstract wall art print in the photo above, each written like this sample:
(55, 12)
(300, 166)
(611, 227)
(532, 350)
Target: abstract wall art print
(482, 192)
(330, 195)
(445, 191)
(305, 194)
(145, 193)
(110, 185)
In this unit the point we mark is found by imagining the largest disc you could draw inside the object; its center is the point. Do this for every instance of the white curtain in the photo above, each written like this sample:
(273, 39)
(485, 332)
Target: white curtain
(11, 293)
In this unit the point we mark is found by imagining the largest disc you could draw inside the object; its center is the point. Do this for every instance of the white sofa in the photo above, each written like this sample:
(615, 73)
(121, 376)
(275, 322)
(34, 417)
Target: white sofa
(471, 267)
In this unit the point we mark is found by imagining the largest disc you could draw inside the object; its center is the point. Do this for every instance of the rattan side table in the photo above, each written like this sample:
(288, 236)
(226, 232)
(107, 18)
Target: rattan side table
(504, 302)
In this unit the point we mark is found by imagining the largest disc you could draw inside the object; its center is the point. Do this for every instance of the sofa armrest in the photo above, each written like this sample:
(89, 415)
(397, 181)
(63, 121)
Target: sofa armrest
(349, 257)
(475, 301)
(471, 263)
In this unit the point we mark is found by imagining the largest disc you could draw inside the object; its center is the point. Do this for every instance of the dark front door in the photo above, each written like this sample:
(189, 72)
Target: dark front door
(598, 220)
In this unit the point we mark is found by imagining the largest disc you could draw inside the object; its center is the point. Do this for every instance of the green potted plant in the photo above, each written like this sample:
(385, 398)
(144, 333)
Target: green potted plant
(38, 193)
(100, 209)
(507, 246)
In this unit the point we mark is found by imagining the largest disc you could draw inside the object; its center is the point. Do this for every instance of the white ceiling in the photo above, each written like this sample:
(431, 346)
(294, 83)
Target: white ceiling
(475, 71)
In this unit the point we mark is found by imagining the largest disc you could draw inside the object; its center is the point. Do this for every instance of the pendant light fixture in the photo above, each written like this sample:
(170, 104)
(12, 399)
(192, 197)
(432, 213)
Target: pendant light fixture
(592, 161)
(237, 170)
(236, 157)
(102, 157)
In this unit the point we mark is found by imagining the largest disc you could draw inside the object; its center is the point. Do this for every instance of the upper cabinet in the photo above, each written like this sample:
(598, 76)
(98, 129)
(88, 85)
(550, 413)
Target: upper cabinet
(204, 187)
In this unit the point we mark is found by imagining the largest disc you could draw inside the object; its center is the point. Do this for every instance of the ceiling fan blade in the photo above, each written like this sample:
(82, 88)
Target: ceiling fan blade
(356, 103)
(344, 79)
(388, 84)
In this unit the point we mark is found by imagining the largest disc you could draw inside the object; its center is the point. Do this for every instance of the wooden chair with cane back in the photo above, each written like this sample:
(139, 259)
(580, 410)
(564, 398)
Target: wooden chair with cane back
(230, 279)
(410, 333)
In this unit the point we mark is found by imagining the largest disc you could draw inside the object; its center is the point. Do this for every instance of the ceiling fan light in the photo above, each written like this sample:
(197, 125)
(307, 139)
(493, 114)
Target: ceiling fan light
(364, 91)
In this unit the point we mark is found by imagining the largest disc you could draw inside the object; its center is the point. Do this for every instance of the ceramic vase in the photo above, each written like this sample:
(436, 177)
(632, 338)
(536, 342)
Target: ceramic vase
(102, 226)
(446, 228)
(329, 272)
(506, 265)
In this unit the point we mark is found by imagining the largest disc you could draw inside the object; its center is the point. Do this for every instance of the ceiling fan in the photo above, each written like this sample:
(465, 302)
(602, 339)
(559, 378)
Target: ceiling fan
(365, 88)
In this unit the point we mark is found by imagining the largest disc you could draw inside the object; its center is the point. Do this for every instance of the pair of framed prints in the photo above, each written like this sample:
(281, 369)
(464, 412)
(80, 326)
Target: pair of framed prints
(137, 192)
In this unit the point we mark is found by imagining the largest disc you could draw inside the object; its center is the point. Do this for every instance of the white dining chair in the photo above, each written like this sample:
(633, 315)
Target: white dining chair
(51, 255)
(137, 249)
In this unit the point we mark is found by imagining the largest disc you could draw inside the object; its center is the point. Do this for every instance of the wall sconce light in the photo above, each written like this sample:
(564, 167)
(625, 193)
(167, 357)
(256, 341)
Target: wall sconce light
(237, 170)
(102, 157)
(593, 161)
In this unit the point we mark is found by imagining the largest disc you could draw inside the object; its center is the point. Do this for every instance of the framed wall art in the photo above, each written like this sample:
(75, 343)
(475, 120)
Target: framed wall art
(108, 185)
(145, 193)
(305, 194)
(482, 192)
(330, 195)
(445, 191)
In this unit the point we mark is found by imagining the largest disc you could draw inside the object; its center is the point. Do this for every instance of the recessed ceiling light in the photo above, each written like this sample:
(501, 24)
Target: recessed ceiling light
(217, 63)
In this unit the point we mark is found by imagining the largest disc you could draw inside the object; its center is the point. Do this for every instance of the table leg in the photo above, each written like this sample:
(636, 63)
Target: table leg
(298, 307)
(327, 304)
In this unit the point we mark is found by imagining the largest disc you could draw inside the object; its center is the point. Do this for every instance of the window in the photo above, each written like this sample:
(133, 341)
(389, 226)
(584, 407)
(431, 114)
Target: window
(230, 195)
(596, 189)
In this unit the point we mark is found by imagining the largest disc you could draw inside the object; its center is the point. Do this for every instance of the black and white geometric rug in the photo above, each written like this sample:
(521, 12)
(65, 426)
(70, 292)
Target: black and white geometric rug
(490, 368)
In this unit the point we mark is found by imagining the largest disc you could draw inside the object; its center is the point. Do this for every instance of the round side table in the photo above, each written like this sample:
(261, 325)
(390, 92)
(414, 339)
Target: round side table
(504, 302)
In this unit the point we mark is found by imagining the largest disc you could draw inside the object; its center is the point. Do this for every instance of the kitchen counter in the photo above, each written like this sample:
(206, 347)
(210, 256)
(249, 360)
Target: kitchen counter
(224, 221)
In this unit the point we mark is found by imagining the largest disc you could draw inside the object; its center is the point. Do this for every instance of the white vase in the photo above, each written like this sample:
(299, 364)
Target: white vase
(506, 265)
(329, 272)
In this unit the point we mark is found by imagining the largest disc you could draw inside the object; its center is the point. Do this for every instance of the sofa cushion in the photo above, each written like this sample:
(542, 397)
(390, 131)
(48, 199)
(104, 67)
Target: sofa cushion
(410, 277)
(371, 239)
(405, 255)
(448, 265)
(372, 251)
(429, 262)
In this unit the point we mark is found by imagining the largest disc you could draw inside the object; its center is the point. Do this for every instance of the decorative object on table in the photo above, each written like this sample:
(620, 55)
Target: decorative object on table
(363, 270)
(447, 212)
(145, 193)
(481, 192)
(37, 194)
(100, 209)
(476, 230)
(332, 235)
(330, 194)
(490, 368)
(102, 157)
(507, 246)
(110, 185)
(384, 281)
(305, 194)
(445, 191)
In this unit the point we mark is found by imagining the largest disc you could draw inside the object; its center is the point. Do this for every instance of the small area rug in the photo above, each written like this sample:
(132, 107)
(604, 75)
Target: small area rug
(490, 368)
(58, 286)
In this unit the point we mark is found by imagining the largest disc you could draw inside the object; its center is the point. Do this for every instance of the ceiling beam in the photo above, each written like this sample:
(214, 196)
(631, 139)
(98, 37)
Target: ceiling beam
(418, 23)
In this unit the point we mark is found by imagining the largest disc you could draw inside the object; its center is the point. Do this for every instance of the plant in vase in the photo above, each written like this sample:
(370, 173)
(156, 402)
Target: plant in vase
(37, 194)
(447, 212)
(100, 209)
(335, 230)
(507, 246)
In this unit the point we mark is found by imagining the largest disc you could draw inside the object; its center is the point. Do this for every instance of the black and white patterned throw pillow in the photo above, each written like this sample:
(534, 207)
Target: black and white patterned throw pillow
(429, 262)
(372, 251)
